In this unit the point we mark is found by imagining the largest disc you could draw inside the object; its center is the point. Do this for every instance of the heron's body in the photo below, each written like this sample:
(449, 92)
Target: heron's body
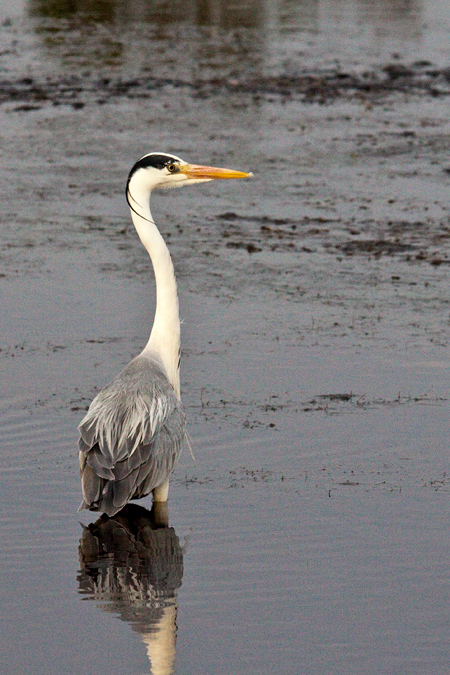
(132, 434)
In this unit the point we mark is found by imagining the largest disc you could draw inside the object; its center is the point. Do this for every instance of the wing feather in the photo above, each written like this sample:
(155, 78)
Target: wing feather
(92, 485)
(131, 437)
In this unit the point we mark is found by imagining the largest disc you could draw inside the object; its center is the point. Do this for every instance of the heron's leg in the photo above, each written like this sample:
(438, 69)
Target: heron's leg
(161, 493)
(160, 514)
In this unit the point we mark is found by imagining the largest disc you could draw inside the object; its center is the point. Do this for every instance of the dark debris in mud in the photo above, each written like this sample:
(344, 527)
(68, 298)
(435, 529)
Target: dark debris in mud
(413, 242)
(252, 414)
(375, 248)
(335, 404)
(372, 86)
(331, 478)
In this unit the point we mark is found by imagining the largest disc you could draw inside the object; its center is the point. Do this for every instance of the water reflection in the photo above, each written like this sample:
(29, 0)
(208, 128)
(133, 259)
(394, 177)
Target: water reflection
(132, 566)
(222, 13)
(107, 11)
(188, 39)
(247, 13)
(399, 18)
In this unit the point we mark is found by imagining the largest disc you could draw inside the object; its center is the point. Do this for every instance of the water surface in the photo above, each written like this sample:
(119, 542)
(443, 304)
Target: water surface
(310, 534)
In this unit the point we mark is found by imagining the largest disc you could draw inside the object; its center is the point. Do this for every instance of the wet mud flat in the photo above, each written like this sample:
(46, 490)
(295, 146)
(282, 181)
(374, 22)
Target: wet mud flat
(420, 78)
(350, 199)
(315, 374)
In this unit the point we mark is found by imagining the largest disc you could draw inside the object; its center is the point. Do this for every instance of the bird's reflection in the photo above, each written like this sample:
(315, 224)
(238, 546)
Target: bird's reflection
(132, 565)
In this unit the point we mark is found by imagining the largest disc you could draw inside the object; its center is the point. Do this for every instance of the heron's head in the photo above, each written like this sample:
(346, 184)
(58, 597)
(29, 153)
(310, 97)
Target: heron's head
(161, 170)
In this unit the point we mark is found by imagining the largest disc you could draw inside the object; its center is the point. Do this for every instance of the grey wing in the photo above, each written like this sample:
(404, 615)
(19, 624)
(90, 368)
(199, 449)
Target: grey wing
(130, 438)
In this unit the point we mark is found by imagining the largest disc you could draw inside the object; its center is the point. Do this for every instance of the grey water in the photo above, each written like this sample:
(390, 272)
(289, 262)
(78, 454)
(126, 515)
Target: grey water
(309, 532)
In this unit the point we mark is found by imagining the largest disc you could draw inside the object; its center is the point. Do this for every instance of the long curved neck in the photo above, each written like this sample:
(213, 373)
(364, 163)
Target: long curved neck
(165, 335)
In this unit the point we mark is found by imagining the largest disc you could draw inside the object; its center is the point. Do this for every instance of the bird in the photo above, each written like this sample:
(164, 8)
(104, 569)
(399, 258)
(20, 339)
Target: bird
(132, 434)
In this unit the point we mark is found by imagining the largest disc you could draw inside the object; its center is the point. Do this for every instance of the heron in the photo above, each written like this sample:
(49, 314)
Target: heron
(132, 434)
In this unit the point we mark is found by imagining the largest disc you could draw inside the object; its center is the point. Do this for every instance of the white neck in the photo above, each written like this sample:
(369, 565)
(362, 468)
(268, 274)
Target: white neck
(164, 338)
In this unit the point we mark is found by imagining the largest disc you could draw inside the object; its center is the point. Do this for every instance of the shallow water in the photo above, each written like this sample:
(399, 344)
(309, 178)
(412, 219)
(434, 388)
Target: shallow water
(310, 534)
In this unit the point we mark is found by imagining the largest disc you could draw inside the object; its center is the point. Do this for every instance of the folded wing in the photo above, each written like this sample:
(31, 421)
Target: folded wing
(130, 438)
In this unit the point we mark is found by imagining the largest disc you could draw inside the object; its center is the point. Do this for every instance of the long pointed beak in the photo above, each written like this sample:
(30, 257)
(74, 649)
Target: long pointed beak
(198, 171)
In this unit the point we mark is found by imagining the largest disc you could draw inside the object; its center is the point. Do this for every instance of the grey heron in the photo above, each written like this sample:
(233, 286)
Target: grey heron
(132, 434)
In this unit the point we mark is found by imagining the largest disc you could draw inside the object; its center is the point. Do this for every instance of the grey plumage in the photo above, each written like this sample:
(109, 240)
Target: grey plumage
(130, 438)
(132, 435)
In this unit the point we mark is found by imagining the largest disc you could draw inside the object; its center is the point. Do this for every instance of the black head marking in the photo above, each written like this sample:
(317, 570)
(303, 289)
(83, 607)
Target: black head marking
(155, 160)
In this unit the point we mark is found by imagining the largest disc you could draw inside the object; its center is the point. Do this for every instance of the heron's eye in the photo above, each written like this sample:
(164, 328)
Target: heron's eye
(171, 168)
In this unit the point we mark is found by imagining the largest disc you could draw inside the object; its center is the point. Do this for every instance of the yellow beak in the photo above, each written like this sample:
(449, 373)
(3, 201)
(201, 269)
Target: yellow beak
(198, 171)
